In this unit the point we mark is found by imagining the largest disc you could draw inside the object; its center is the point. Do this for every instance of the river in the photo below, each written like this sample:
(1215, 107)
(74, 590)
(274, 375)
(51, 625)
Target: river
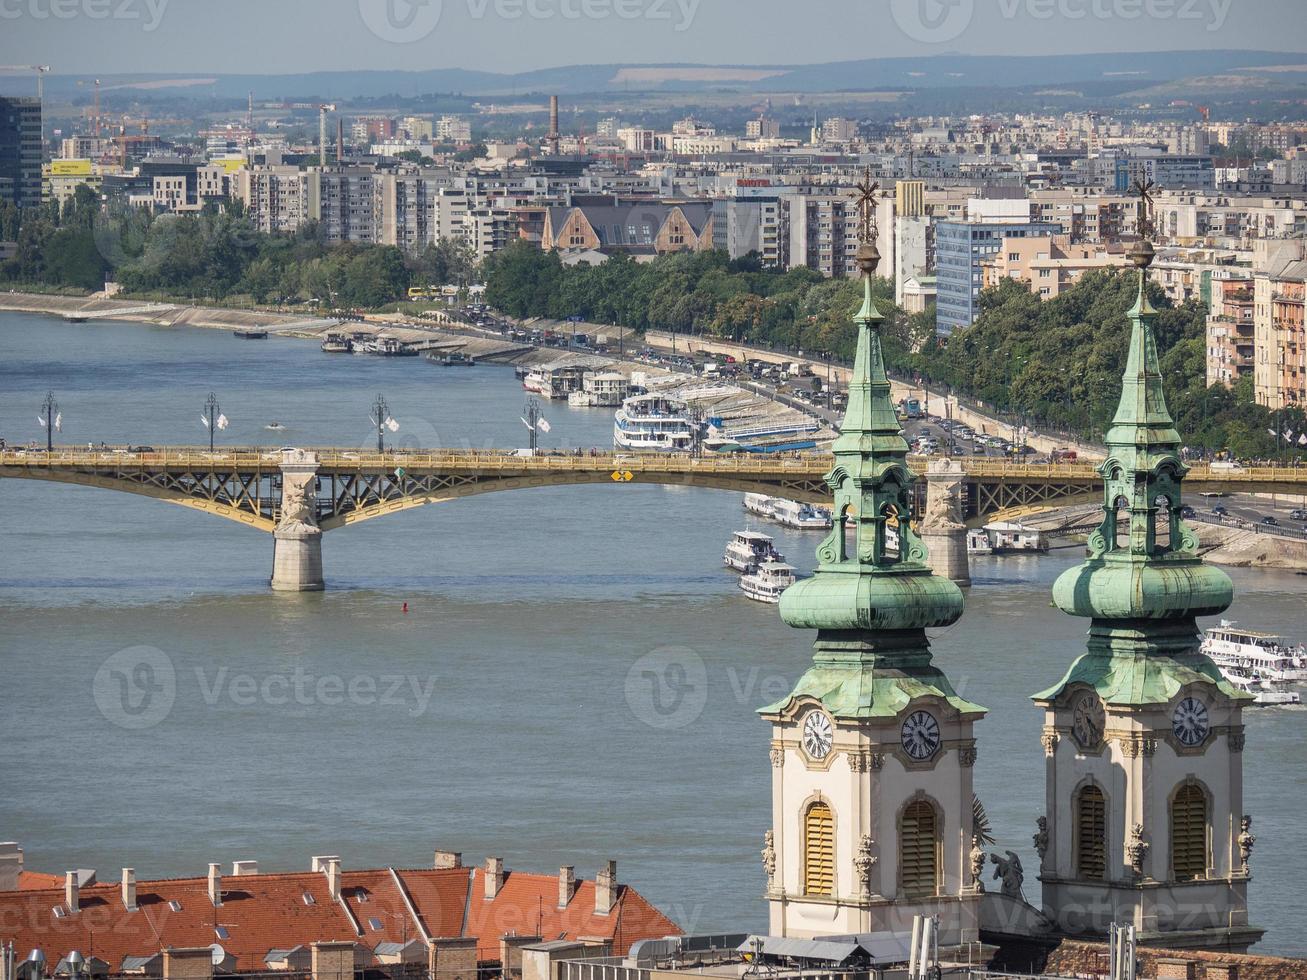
(508, 711)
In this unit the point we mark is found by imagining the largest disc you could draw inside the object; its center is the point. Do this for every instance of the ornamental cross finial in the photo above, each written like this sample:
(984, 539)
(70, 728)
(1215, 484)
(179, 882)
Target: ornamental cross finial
(867, 208)
(1143, 189)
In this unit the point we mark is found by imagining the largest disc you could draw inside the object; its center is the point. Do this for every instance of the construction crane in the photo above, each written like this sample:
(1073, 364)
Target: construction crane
(96, 110)
(40, 75)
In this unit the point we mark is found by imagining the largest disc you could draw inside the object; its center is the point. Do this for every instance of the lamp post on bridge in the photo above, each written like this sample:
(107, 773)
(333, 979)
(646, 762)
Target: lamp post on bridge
(213, 417)
(382, 420)
(50, 419)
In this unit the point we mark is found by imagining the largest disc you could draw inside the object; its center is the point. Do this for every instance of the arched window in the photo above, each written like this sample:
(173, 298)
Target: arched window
(919, 850)
(1162, 525)
(1121, 512)
(1091, 834)
(1189, 833)
(819, 850)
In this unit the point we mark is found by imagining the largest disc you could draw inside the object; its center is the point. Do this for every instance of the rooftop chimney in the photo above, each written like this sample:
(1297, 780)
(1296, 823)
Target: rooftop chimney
(319, 862)
(11, 866)
(448, 859)
(215, 885)
(606, 888)
(240, 869)
(333, 878)
(71, 898)
(566, 885)
(494, 876)
(129, 889)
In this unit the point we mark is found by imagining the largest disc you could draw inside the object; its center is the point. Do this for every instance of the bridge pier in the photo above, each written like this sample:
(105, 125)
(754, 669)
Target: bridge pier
(942, 530)
(297, 560)
(297, 541)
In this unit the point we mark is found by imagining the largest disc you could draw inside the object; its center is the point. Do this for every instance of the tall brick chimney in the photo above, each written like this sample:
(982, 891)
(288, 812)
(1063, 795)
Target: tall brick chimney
(71, 892)
(215, 884)
(129, 889)
(606, 888)
(566, 885)
(494, 876)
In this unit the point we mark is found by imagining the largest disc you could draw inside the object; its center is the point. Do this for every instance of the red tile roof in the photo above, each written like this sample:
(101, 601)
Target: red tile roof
(269, 911)
(28, 880)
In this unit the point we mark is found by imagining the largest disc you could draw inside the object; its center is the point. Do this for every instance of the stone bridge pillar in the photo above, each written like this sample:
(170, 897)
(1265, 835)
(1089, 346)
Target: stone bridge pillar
(297, 541)
(941, 528)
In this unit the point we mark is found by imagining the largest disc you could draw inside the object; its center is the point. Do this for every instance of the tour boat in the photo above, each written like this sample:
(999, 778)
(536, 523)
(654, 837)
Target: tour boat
(800, 516)
(1263, 654)
(760, 504)
(653, 422)
(978, 542)
(768, 581)
(336, 343)
(747, 550)
(1264, 692)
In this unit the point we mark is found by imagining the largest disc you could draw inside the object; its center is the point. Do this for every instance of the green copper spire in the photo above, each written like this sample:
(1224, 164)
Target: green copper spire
(872, 600)
(1143, 584)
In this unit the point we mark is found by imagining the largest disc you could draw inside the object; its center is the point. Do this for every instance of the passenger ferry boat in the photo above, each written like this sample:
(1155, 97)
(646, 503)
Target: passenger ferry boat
(653, 422)
(978, 542)
(1261, 654)
(800, 516)
(1264, 692)
(768, 581)
(748, 550)
(607, 389)
(760, 504)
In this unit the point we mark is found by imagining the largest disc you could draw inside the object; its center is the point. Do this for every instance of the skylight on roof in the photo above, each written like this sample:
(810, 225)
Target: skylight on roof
(375, 923)
(175, 905)
(221, 932)
(309, 899)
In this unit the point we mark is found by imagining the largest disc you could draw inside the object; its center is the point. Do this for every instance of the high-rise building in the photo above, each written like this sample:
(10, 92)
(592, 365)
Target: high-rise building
(960, 249)
(20, 151)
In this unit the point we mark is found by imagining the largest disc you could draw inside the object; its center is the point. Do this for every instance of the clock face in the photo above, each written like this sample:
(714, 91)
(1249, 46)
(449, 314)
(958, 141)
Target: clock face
(1190, 722)
(920, 735)
(1087, 722)
(818, 735)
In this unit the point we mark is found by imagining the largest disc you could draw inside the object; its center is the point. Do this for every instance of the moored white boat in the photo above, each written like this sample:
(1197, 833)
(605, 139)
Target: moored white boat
(653, 422)
(747, 550)
(800, 516)
(978, 542)
(768, 581)
(1264, 692)
(760, 504)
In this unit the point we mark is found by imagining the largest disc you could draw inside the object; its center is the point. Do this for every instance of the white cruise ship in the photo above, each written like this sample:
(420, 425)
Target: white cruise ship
(1247, 652)
(789, 513)
(768, 581)
(653, 422)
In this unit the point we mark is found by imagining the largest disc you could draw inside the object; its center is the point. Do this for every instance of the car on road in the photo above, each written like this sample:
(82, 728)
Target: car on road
(1187, 512)
(1270, 521)
(1220, 511)
(1298, 515)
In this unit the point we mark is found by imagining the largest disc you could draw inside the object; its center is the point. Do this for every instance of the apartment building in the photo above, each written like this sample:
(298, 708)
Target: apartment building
(1048, 265)
(453, 129)
(961, 248)
(1186, 218)
(275, 197)
(762, 128)
(1231, 330)
(749, 224)
(345, 203)
(1279, 339)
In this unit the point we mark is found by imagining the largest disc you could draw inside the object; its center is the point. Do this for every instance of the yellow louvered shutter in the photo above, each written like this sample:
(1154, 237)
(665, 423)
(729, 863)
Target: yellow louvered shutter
(1091, 834)
(819, 851)
(919, 850)
(1189, 834)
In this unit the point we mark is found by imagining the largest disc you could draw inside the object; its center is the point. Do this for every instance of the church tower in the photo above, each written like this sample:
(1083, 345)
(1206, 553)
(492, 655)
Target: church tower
(872, 752)
(1143, 737)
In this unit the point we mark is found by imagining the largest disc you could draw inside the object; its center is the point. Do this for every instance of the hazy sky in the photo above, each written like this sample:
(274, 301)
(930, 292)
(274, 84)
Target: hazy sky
(276, 36)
